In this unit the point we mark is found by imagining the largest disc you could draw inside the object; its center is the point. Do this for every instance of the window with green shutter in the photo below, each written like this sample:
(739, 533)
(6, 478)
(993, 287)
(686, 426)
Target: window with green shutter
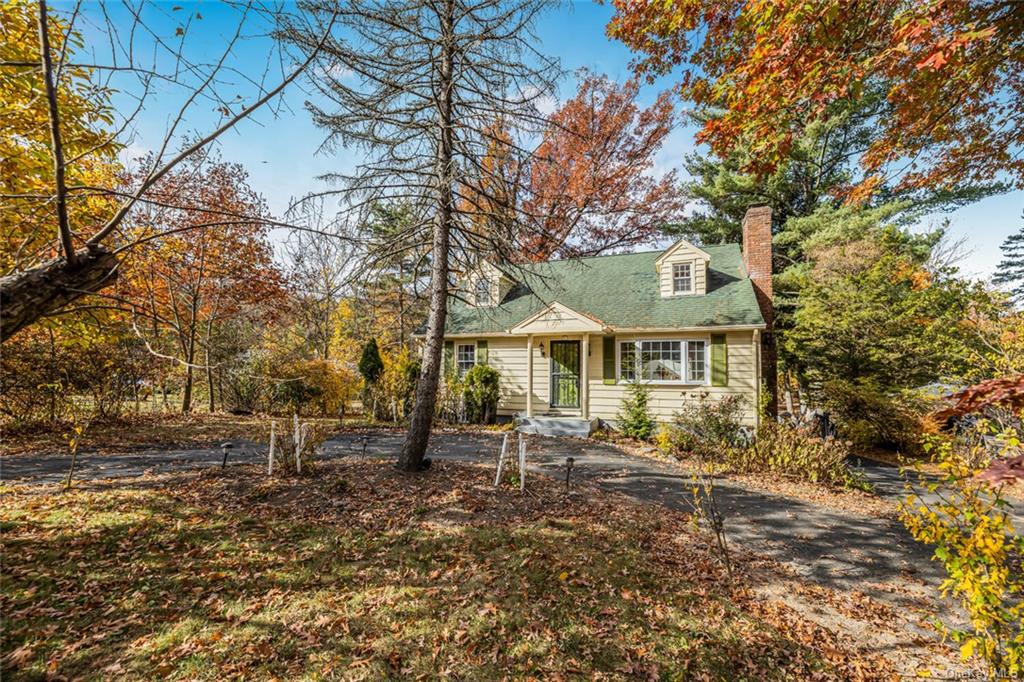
(608, 359)
(719, 360)
(481, 352)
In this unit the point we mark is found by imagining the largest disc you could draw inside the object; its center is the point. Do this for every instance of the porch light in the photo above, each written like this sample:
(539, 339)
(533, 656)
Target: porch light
(542, 350)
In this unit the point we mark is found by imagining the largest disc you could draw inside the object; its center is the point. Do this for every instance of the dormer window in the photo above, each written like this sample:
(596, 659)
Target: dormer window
(682, 278)
(483, 292)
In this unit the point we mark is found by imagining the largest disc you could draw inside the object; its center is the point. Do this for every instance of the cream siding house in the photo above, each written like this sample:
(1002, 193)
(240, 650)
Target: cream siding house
(568, 337)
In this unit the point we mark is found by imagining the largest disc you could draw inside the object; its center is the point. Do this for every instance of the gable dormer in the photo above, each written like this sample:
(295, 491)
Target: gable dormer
(486, 286)
(683, 270)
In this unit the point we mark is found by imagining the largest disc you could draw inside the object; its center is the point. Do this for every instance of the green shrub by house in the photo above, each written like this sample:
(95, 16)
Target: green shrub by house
(480, 393)
(635, 419)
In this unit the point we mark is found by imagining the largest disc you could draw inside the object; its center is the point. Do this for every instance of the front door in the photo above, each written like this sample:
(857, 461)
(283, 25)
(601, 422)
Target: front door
(565, 374)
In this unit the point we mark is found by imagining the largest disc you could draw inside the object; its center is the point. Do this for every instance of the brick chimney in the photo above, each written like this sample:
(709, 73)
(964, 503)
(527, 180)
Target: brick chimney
(757, 259)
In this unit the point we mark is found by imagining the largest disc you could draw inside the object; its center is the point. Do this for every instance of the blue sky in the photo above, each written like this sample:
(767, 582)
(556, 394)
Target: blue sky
(280, 149)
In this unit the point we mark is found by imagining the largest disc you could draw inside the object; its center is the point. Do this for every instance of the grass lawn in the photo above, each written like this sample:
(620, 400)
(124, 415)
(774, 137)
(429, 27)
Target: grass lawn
(360, 572)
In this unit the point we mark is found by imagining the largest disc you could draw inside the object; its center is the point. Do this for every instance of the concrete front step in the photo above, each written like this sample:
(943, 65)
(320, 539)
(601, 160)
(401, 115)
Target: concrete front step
(556, 426)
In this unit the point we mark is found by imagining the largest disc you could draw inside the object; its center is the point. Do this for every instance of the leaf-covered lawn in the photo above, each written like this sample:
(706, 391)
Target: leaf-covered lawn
(147, 430)
(361, 572)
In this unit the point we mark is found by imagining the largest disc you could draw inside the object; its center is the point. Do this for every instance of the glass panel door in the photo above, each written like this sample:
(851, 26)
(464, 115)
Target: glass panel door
(565, 374)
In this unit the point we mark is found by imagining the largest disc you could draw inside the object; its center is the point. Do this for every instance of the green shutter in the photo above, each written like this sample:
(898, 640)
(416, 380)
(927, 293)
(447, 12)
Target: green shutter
(481, 352)
(719, 360)
(608, 345)
(449, 358)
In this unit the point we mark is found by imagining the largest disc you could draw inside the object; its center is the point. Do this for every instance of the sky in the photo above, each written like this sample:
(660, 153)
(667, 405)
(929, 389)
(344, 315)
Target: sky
(282, 149)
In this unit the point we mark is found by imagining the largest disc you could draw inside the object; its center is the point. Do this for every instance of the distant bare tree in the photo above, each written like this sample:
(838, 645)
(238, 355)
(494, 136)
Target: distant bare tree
(318, 269)
(141, 63)
(418, 86)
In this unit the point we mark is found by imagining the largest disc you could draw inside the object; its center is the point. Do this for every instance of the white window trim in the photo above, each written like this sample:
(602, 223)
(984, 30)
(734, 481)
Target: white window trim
(693, 276)
(685, 361)
(458, 371)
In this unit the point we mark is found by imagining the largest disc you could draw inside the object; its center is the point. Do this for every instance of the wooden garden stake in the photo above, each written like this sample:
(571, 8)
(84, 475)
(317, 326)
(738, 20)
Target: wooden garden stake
(297, 442)
(273, 442)
(522, 465)
(501, 459)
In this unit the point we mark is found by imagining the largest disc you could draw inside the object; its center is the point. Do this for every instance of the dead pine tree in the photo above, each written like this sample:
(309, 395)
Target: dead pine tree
(416, 87)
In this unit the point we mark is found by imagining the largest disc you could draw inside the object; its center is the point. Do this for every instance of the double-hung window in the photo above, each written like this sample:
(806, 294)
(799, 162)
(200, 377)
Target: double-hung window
(696, 362)
(682, 278)
(668, 361)
(465, 357)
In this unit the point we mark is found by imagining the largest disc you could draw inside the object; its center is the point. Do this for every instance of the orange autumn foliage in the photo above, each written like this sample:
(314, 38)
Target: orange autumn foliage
(951, 73)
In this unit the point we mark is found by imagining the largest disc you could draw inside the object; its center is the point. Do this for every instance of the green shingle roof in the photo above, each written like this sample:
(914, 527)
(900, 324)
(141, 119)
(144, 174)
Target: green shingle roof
(622, 291)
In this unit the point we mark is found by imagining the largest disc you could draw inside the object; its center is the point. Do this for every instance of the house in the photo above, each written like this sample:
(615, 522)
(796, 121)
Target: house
(569, 336)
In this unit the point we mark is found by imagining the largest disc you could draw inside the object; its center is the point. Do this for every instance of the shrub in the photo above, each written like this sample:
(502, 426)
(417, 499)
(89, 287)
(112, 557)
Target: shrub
(975, 541)
(289, 439)
(395, 389)
(871, 415)
(710, 427)
(480, 392)
(371, 365)
(331, 386)
(635, 419)
(664, 441)
(782, 449)
(246, 385)
(296, 393)
(451, 404)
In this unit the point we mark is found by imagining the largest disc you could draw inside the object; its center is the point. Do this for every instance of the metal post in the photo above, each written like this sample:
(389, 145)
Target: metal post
(225, 447)
(568, 470)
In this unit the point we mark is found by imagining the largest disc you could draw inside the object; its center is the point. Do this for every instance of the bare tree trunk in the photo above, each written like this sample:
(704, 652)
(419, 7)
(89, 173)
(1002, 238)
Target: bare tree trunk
(190, 356)
(415, 446)
(186, 393)
(27, 296)
(53, 378)
(209, 367)
(401, 304)
(209, 381)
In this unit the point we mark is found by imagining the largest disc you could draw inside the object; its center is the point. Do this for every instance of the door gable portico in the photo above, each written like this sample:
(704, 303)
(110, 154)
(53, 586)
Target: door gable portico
(559, 319)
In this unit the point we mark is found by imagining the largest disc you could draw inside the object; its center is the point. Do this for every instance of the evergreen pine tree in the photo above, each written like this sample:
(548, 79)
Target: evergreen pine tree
(1010, 270)
(635, 418)
(370, 364)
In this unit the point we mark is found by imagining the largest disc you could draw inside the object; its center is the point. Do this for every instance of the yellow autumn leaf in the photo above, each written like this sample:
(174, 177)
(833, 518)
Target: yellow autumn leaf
(564, 575)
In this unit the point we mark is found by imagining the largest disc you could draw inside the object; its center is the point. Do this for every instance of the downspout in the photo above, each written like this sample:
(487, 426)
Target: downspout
(757, 380)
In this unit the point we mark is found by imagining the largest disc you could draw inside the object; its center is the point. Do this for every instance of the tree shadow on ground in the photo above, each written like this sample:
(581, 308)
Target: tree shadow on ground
(230, 575)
